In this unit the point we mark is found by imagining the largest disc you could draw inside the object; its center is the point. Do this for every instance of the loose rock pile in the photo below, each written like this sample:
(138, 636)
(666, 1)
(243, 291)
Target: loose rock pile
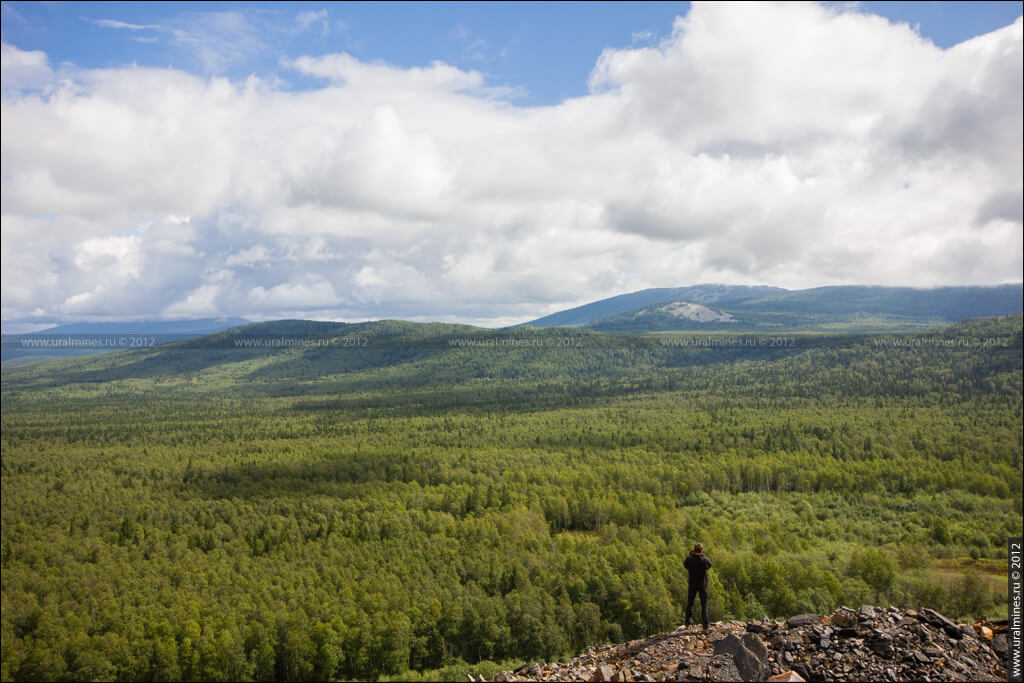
(869, 644)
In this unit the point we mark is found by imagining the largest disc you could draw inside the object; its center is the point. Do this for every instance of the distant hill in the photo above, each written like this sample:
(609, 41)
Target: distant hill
(702, 294)
(197, 327)
(290, 357)
(847, 308)
(87, 338)
(947, 303)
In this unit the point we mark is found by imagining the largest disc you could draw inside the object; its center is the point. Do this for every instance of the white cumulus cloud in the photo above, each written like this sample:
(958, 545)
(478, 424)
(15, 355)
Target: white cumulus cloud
(793, 145)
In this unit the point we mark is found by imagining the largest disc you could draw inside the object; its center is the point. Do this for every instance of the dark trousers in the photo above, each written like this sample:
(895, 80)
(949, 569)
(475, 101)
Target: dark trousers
(690, 595)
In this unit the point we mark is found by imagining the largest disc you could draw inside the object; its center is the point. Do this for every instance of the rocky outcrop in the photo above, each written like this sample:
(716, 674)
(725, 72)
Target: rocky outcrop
(871, 643)
(696, 312)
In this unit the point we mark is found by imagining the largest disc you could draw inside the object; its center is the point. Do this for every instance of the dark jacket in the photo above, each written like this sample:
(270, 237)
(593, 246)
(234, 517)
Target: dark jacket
(698, 566)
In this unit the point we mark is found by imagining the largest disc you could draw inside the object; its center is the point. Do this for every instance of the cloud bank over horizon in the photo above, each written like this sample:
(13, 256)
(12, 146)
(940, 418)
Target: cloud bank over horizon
(790, 145)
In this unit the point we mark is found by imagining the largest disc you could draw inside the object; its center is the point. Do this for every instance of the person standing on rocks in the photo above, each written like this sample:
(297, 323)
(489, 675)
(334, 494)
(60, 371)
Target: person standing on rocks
(697, 564)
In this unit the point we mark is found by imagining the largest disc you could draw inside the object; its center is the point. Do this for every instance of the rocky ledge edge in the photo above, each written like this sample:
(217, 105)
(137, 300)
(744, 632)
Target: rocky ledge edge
(869, 644)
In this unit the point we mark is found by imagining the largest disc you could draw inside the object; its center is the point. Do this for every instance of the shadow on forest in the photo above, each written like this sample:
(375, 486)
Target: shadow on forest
(340, 477)
(401, 362)
(526, 379)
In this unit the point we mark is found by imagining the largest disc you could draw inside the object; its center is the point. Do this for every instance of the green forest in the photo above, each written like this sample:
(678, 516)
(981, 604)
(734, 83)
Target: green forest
(422, 501)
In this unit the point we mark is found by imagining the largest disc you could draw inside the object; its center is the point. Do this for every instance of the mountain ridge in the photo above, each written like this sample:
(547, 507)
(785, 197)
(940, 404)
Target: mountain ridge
(203, 325)
(701, 293)
(736, 308)
(353, 357)
(42, 345)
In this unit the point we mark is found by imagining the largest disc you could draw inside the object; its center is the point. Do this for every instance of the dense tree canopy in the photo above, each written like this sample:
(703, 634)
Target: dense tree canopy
(209, 513)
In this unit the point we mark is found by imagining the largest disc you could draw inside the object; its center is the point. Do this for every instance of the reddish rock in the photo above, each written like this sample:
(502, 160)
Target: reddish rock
(844, 618)
(786, 677)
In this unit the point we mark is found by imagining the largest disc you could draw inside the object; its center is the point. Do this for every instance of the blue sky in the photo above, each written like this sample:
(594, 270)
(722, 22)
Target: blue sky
(544, 50)
(492, 163)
